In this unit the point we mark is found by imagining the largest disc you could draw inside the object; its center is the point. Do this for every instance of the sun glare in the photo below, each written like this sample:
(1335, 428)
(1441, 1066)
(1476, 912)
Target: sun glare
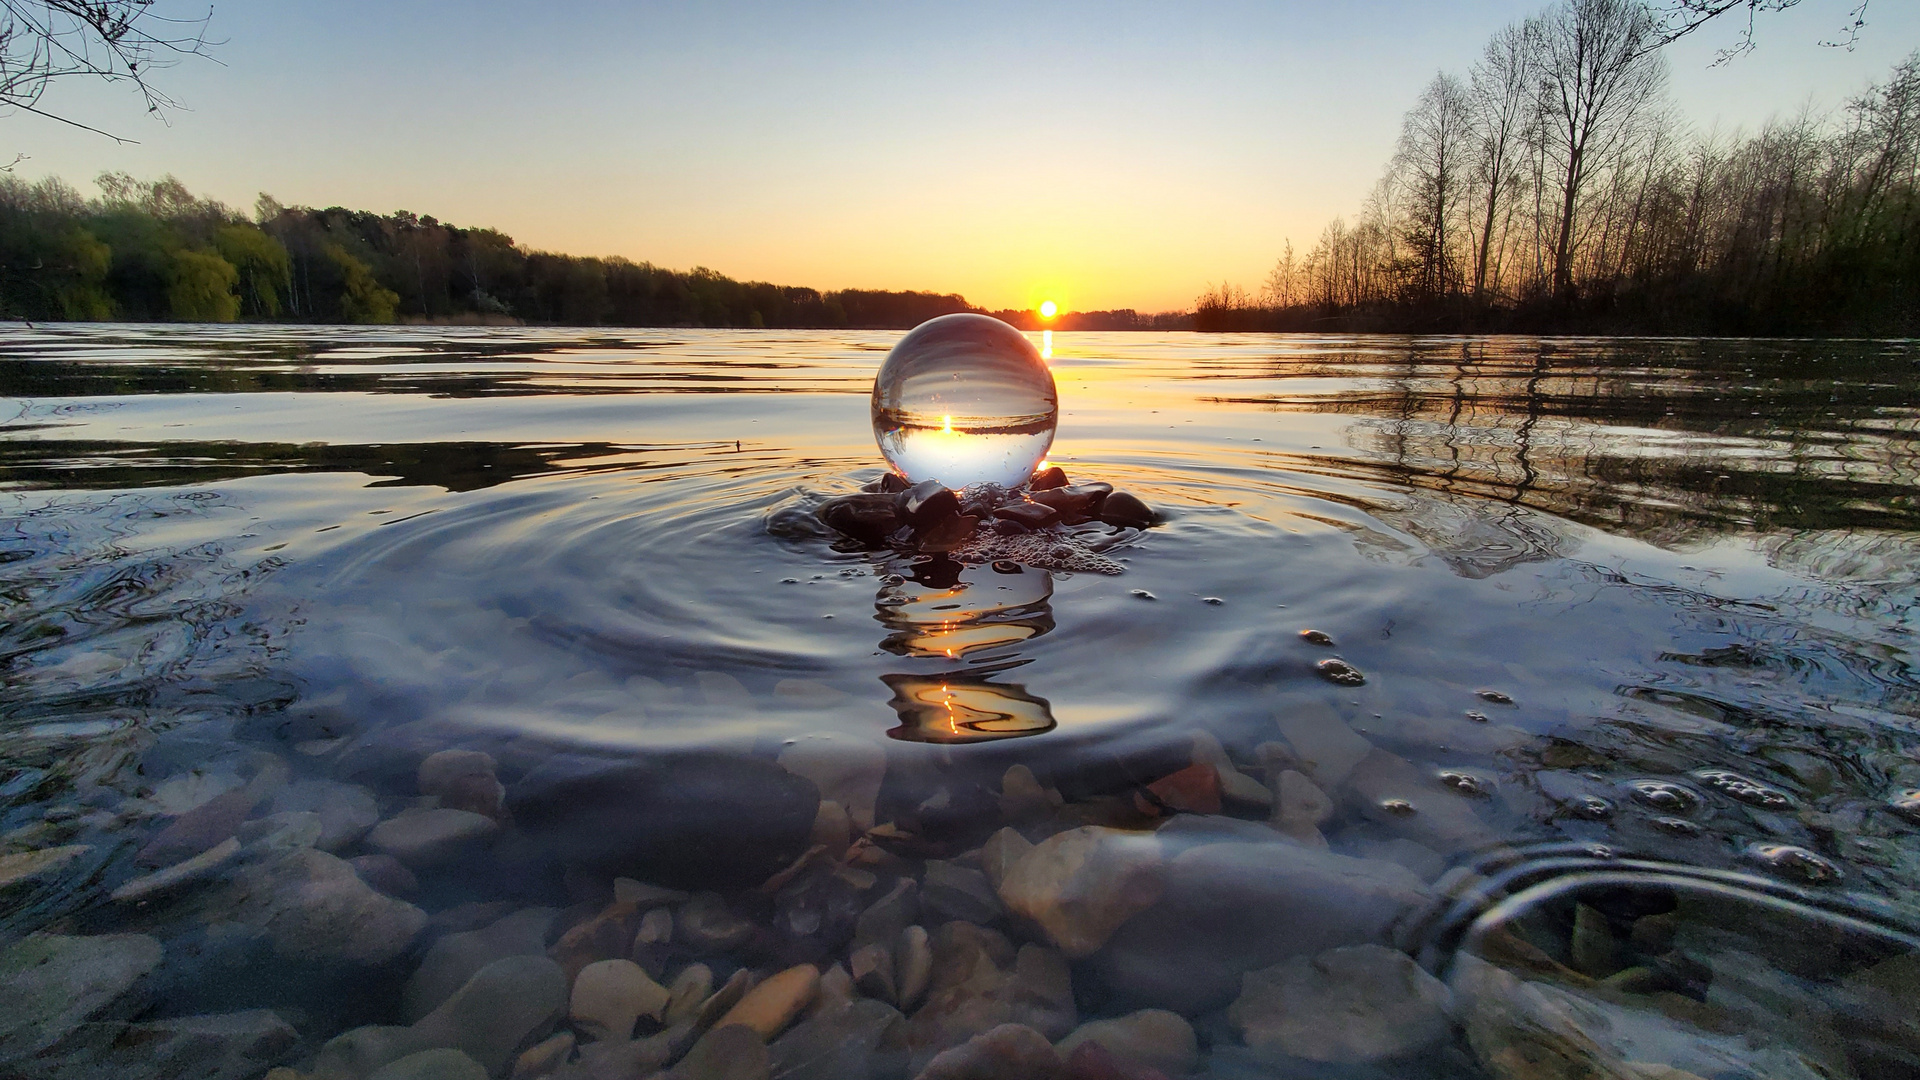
(1048, 309)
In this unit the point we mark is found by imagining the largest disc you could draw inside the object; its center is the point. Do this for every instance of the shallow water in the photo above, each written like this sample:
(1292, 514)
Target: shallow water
(1653, 598)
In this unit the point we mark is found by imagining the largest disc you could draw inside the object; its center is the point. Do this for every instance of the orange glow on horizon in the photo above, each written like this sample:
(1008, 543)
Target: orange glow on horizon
(1048, 309)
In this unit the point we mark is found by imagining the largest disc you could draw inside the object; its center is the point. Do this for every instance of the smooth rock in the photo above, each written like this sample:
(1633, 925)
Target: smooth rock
(24, 865)
(1326, 748)
(1091, 1061)
(1081, 885)
(1023, 800)
(1153, 1037)
(385, 873)
(543, 1057)
(848, 770)
(1355, 1004)
(1217, 920)
(980, 981)
(722, 1001)
(832, 829)
(706, 923)
(50, 984)
(424, 837)
(656, 928)
(1000, 852)
(505, 1005)
(346, 811)
(463, 780)
(224, 1046)
(686, 820)
(432, 1065)
(949, 892)
(642, 895)
(200, 828)
(728, 1052)
(927, 503)
(312, 907)
(284, 829)
(872, 970)
(141, 889)
(609, 996)
(689, 991)
(1009, 1050)
(768, 1008)
(840, 1043)
(1300, 808)
(1126, 511)
(866, 517)
(913, 967)
(1238, 791)
(885, 918)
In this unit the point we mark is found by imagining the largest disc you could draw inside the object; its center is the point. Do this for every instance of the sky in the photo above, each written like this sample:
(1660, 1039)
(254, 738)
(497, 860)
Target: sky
(1101, 155)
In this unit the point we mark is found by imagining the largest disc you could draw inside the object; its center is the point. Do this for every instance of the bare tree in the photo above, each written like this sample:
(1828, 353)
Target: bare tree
(1503, 99)
(1598, 72)
(121, 41)
(1682, 17)
(1432, 163)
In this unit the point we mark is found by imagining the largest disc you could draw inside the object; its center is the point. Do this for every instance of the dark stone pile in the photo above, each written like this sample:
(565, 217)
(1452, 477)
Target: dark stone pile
(927, 517)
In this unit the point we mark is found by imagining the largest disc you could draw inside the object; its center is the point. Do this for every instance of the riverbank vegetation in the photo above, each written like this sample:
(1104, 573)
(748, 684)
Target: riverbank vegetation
(1555, 186)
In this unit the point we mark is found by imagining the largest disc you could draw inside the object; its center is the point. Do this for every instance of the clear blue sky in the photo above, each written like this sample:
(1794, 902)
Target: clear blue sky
(1103, 154)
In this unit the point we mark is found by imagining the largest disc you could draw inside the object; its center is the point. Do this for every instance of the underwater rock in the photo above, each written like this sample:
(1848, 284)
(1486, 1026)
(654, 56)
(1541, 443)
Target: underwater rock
(225, 1046)
(1125, 511)
(868, 518)
(426, 837)
(913, 967)
(689, 991)
(456, 958)
(29, 864)
(610, 995)
(1441, 819)
(1001, 851)
(1215, 920)
(1080, 885)
(692, 820)
(843, 1042)
(385, 873)
(200, 828)
(346, 811)
(768, 1008)
(1193, 790)
(50, 984)
(311, 906)
(1300, 808)
(1077, 502)
(707, 924)
(979, 981)
(728, 1052)
(949, 892)
(141, 889)
(1326, 748)
(1005, 1051)
(1153, 1037)
(432, 1065)
(847, 770)
(886, 918)
(1361, 1003)
(463, 780)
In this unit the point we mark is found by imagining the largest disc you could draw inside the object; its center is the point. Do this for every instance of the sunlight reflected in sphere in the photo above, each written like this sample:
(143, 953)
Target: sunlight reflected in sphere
(964, 399)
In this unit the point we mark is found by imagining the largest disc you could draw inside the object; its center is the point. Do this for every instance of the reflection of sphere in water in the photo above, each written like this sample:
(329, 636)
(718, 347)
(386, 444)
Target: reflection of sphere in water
(964, 399)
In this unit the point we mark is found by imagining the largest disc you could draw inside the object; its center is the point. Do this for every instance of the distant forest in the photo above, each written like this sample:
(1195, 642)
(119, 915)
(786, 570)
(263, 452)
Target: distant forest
(147, 251)
(1556, 188)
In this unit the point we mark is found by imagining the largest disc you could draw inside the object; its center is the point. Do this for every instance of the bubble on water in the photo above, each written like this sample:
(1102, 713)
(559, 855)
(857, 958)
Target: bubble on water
(1316, 637)
(1591, 807)
(1791, 860)
(1215, 601)
(965, 399)
(1141, 594)
(1397, 807)
(1663, 795)
(1477, 716)
(1749, 791)
(1676, 826)
(1341, 672)
(1495, 696)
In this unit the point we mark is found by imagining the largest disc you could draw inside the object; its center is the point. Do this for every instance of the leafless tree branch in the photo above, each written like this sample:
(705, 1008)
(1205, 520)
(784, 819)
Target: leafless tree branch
(43, 42)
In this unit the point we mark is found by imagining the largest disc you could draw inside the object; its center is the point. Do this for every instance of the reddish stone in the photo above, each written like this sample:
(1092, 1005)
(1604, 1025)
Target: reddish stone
(1194, 789)
(1091, 1061)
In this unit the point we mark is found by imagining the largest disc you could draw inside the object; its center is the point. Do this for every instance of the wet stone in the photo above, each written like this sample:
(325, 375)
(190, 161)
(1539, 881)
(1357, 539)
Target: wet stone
(1009, 1050)
(313, 907)
(868, 518)
(463, 780)
(707, 924)
(1125, 511)
(1081, 885)
(1031, 514)
(1155, 1038)
(1468, 783)
(346, 811)
(1053, 476)
(387, 874)
(949, 892)
(847, 1040)
(200, 828)
(441, 1064)
(457, 957)
(926, 504)
(768, 1008)
(1358, 1004)
(26, 865)
(611, 995)
(1340, 673)
(50, 984)
(729, 1052)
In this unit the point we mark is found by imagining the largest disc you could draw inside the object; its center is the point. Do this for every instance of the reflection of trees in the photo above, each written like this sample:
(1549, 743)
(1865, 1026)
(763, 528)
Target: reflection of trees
(1659, 440)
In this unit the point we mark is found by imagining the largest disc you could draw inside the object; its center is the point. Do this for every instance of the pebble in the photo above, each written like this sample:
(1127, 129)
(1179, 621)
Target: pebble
(200, 828)
(346, 811)
(707, 923)
(1010, 1050)
(872, 969)
(913, 968)
(219, 1046)
(312, 906)
(1906, 803)
(440, 1064)
(980, 980)
(846, 770)
(1326, 747)
(690, 989)
(1300, 808)
(656, 928)
(769, 1007)
(1153, 1037)
(610, 995)
(29, 864)
(1193, 790)
(1350, 1005)
(1080, 885)
(1001, 851)
(1125, 511)
(542, 1058)
(498, 1010)
(463, 780)
(728, 1052)
(867, 517)
(843, 1041)
(423, 837)
(50, 984)
(386, 873)
(142, 889)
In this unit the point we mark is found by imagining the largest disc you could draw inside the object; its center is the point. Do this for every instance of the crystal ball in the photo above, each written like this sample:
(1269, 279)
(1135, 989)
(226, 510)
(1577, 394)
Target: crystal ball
(964, 399)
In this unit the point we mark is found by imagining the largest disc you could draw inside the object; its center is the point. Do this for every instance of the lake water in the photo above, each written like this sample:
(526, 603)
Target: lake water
(1631, 771)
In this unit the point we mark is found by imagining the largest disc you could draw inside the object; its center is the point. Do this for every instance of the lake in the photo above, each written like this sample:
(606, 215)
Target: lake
(1501, 706)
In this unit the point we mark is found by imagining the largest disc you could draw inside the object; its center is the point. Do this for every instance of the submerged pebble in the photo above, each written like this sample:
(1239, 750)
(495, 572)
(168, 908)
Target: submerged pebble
(1746, 790)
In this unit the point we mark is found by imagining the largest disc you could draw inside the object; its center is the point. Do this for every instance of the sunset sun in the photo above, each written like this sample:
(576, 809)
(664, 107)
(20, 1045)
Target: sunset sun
(1048, 309)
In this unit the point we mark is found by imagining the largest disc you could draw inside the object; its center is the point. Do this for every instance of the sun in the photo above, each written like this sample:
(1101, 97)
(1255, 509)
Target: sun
(1048, 309)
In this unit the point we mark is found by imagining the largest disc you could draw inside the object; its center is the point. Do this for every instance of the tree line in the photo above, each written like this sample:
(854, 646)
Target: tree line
(1555, 187)
(153, 251)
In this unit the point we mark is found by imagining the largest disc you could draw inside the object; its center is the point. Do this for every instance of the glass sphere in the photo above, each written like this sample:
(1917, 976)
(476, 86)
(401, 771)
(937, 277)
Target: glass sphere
(964, 399)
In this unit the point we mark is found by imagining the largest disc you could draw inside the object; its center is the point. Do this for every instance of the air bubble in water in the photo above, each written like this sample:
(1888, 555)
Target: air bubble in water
(1663, 795)
(964, 399)
(1794, 861)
